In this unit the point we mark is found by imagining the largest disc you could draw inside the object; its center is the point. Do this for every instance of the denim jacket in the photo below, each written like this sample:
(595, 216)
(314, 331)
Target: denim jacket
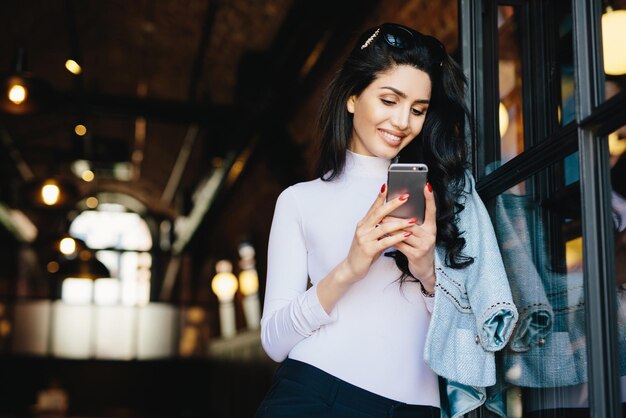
(473, 314)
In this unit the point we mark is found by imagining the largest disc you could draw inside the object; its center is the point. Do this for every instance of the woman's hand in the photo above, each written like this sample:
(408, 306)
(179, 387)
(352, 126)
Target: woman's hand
(419, 246)
(372, 237)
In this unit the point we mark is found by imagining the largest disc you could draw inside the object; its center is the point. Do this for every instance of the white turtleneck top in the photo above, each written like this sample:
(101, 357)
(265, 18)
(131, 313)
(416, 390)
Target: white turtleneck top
(374, 337)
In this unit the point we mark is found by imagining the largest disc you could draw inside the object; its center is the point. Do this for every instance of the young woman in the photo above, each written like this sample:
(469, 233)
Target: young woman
(352, 344)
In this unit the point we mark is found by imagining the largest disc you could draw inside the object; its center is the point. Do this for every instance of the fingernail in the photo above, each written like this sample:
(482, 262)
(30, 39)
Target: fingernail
(408, 234)
(430, 188)
(383, 188)
(404, 197)
(413, 220)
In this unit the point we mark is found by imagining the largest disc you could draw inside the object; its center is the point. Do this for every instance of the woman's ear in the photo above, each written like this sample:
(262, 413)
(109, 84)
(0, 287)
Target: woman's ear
(350, 103)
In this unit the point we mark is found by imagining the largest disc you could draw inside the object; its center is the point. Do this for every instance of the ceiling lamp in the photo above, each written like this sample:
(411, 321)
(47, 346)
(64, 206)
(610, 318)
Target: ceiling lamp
(50, 193)
(20, 92)
(80, 130)
(613, 36)
(17, 92)
(53, 192)
(67, 246)
(73, 67)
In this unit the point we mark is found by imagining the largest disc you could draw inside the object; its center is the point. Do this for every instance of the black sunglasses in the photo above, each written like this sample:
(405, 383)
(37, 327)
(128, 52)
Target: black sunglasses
(401, 37)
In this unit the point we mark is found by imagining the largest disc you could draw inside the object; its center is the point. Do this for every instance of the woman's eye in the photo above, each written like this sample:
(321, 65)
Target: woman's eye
(418, 112)
(388, 102)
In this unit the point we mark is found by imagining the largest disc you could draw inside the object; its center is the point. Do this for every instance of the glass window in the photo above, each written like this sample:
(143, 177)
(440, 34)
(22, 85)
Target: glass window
(545, 364)
(617, 150)
(564, 57)
(122, 240)
(510, 110)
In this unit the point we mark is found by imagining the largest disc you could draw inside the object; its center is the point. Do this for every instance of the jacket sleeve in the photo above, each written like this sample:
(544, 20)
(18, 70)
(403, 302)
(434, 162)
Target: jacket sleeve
(485, 280)
(536, 315)
(290, 311)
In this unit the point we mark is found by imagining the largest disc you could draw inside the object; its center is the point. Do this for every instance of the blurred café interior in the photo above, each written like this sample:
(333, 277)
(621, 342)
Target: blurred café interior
(143, 145)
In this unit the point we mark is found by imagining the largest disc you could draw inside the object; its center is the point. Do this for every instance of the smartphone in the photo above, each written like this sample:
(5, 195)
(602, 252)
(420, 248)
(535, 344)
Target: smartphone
(408, 178)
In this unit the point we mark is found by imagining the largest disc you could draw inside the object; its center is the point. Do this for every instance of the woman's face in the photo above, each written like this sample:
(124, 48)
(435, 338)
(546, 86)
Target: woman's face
(390, 112)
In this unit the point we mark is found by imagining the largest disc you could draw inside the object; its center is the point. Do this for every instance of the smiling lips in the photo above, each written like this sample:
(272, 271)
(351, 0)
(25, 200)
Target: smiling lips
(390, 138)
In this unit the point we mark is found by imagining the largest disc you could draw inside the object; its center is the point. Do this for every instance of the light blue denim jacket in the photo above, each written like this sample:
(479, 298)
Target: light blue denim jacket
(473, 314)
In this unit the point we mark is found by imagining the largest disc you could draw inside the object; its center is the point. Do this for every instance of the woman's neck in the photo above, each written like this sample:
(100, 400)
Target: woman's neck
(366, 166)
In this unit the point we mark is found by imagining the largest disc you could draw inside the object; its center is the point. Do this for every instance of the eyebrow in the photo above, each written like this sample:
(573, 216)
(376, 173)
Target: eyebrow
(403, 95)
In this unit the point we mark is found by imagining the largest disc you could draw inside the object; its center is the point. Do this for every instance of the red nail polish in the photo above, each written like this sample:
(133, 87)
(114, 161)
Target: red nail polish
(404, 197)
(430, 188)
(413, 220)
(383, 188)
(408, 234)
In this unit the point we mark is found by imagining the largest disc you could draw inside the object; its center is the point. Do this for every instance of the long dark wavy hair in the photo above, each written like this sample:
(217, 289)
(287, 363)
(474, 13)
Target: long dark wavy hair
(440, 144)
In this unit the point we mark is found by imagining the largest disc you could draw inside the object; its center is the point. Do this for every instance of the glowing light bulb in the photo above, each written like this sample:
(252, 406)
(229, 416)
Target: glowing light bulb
(67, 246)
(503, 115)
(91, 202)
(50, 194)
(73, 67)
(613, 35)
(18, 94)
(80, 130)
(224, 285)
(248, 282)
(88, 176)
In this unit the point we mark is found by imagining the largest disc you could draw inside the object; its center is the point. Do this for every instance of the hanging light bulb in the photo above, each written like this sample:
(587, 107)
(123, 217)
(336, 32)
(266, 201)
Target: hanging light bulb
(613, 36)
(73, 67)
(80, 130)
(20, 91)
(67, 246)
(17, 93)
(224, 285)
(50, 193)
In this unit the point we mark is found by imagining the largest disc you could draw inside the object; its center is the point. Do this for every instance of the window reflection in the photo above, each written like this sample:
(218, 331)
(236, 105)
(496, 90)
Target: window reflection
(613, 23)
(545, 365)
(617, 150)
(510, 84)
(564, 55)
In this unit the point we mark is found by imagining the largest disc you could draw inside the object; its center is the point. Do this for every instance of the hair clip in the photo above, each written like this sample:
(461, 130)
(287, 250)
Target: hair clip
(370, 39)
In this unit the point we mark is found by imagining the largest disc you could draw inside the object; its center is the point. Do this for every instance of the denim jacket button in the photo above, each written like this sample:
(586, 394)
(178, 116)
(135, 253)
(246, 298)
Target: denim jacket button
(541, 342)
(477, 339)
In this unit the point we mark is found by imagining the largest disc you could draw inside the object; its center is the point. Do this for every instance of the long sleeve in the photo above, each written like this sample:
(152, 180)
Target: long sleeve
(291, 313)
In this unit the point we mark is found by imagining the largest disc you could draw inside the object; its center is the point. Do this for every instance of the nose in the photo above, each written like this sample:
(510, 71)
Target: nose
(400, 117)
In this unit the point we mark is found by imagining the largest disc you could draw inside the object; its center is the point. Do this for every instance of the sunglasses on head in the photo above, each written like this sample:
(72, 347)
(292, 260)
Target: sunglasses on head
(400, 37)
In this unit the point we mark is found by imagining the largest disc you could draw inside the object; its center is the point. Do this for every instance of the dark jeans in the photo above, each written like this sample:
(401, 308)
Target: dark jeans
(300, 390)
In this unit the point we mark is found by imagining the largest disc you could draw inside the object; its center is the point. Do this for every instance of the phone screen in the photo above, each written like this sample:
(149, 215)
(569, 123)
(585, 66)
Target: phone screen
(410, 178)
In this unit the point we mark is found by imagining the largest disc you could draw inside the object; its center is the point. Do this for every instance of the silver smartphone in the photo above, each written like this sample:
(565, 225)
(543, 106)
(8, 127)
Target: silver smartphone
(408, 178)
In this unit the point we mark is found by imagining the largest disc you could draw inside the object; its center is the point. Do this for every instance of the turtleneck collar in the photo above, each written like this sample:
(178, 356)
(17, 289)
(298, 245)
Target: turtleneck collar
(366, 166)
